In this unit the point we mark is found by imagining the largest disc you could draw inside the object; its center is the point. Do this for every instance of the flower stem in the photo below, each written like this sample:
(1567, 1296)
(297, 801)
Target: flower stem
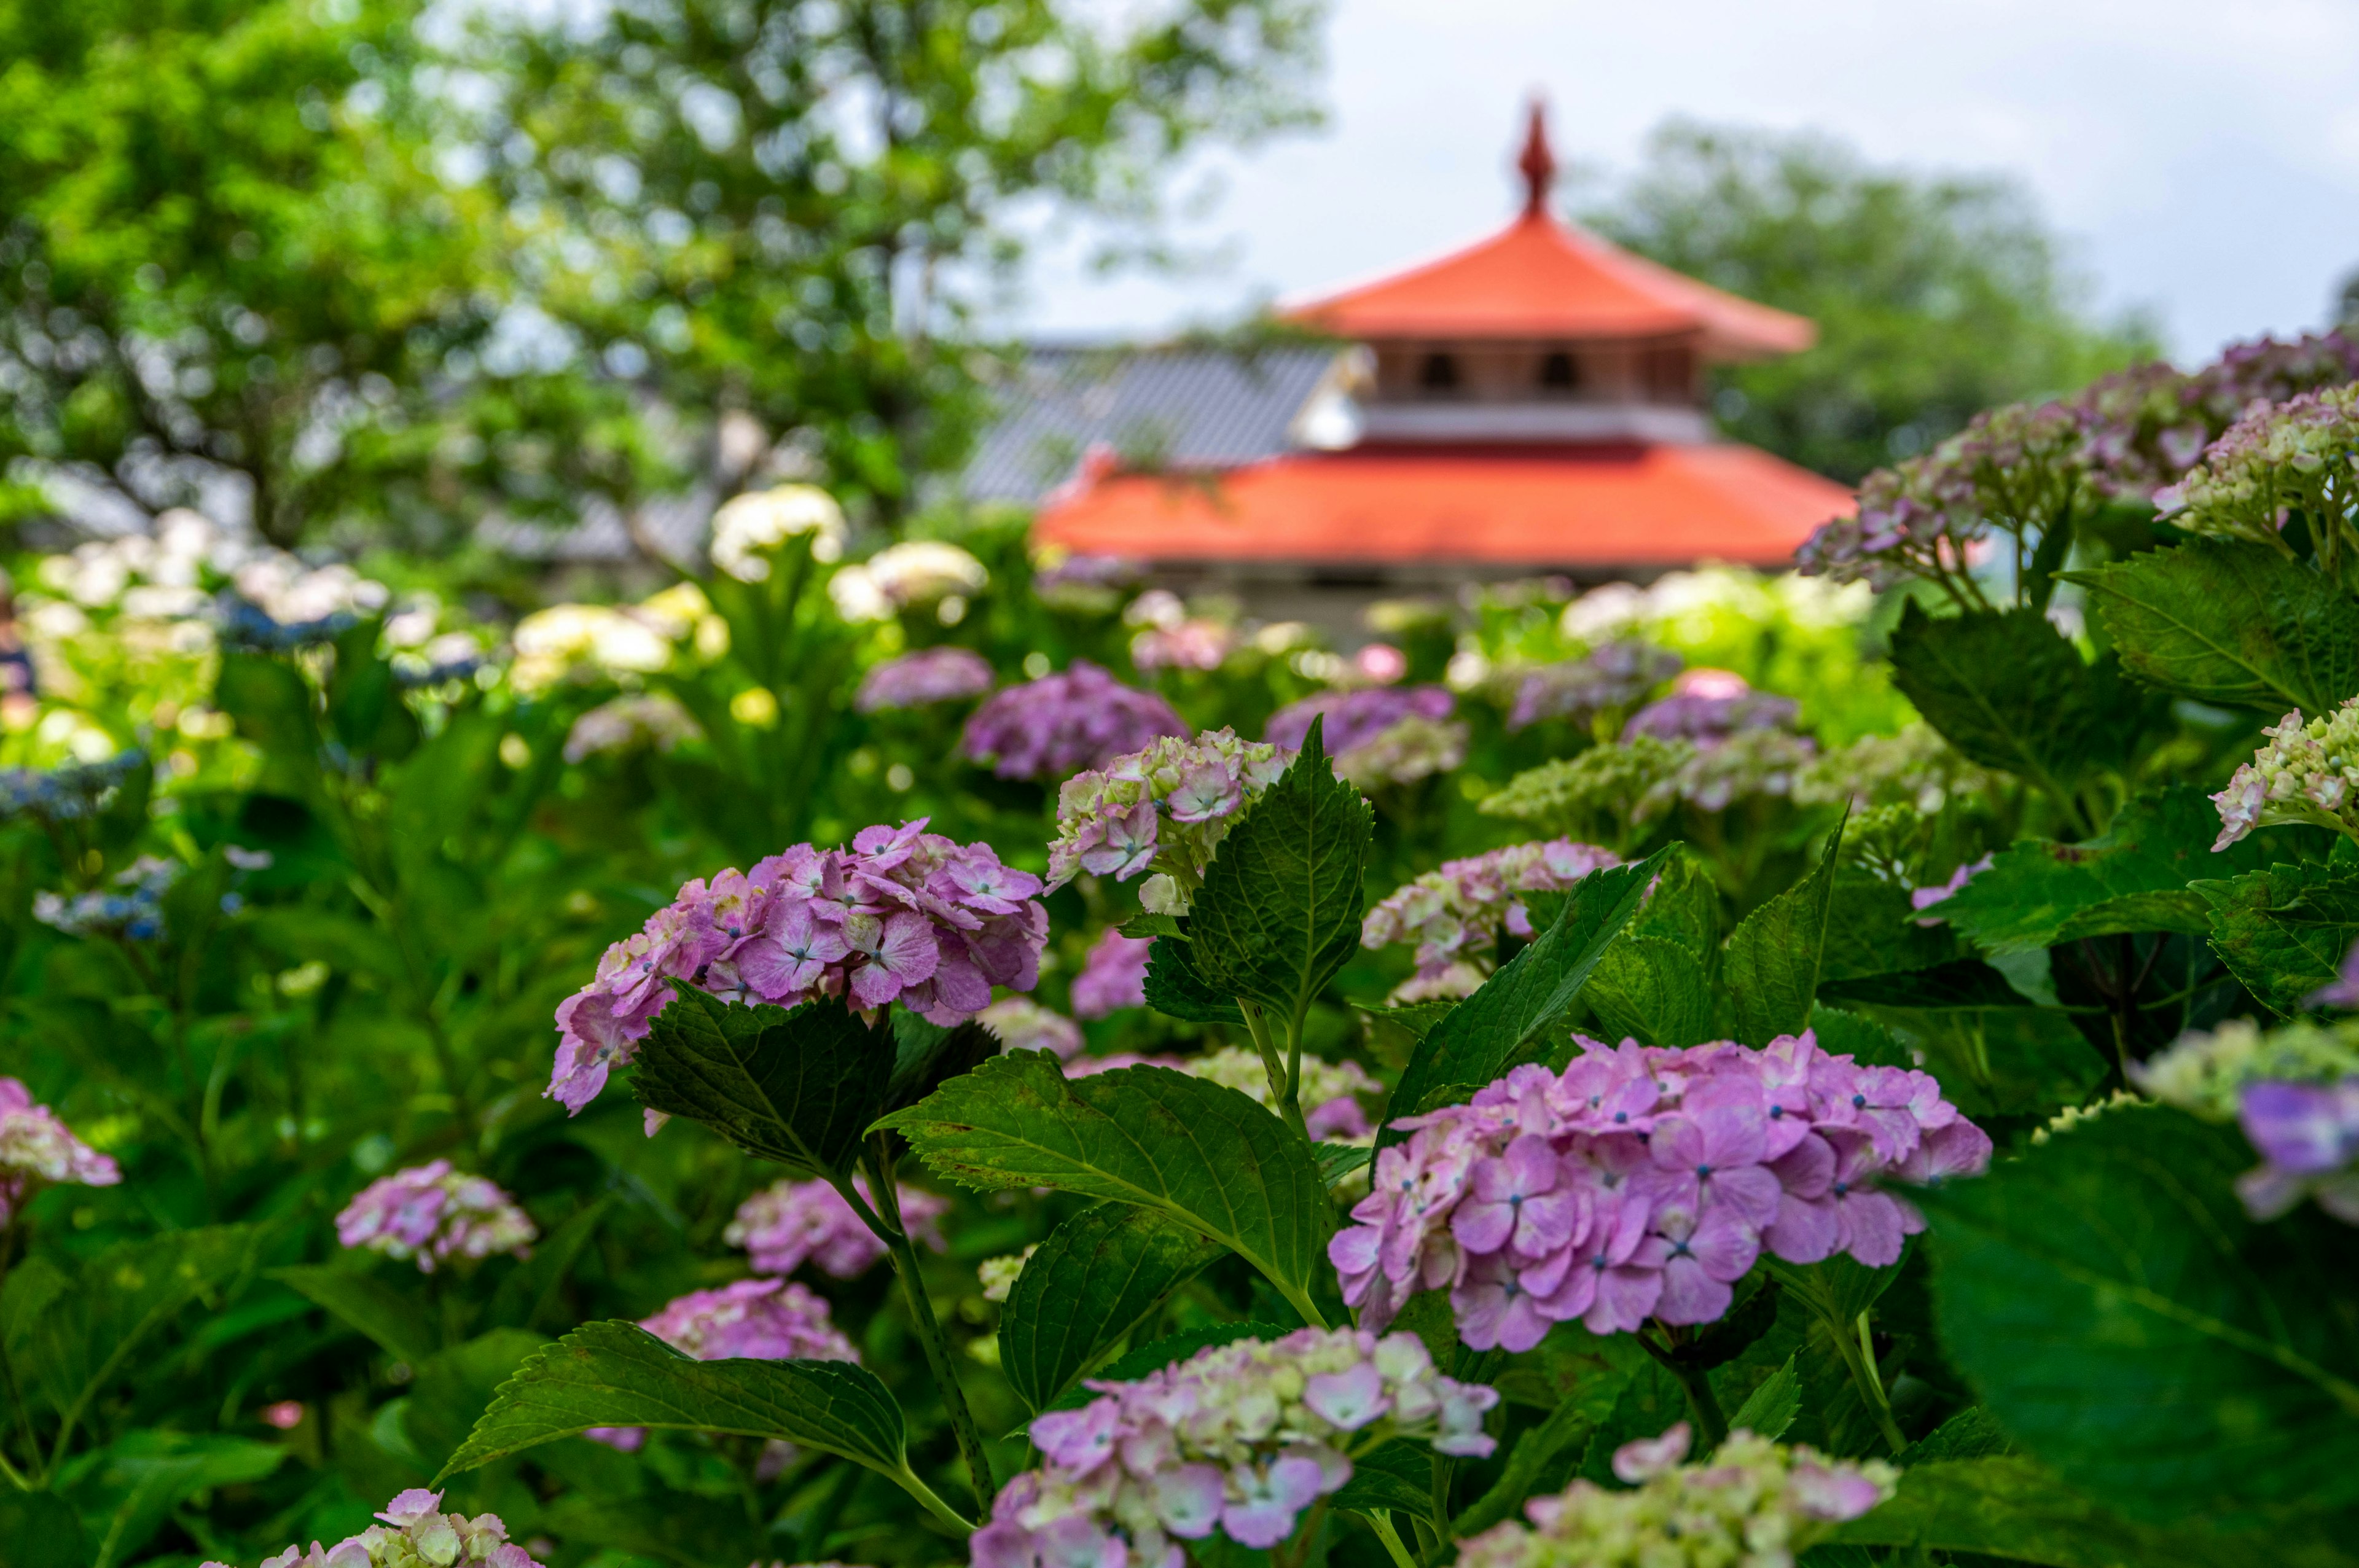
(888, 1227)
(1382, 1524)
(1859, 1357)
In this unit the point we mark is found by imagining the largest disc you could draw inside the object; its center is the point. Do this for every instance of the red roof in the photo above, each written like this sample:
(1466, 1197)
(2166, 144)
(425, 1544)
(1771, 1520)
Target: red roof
(1540, 278)
(1595, 507)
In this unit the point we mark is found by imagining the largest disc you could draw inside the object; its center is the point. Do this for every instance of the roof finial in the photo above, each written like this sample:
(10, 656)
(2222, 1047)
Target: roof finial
(1538, 164)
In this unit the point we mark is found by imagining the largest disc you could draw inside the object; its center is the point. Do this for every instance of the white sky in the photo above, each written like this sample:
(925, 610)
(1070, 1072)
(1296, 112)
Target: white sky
(2201, 158)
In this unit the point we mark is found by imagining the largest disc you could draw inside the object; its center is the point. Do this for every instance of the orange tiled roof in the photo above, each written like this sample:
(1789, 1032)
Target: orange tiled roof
(1569, 507)
(1539, 279)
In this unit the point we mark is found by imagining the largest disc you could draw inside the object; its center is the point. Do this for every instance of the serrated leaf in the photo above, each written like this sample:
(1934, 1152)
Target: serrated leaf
(1207, 1156)
(1649, 1403)
(1653, 990)
(1967, 983)
(1842, 1033)
(1770, 1409)
(799, 1088)
(2038, 893)
(1395, 1478)
(924, 1054)
(1969, 1434)
(1771, 965)
(1872, 930)
(1132, 1365)
(1174, 987)
(2014, 1509)
(1487, 1032)
(1684, 906)
(396, 1319)
(2009, 691)
(2127, 1322)
(2230, 621)
(1415, 1019)
(1091, 1283)
(617, 1373)
(2283, 930)
(1148, 923)
(1539, 1452)
(1279, 910)
(1337, 1160)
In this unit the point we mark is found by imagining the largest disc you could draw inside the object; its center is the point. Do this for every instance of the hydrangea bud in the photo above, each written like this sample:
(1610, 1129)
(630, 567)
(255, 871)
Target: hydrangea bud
(1239, 1438)
(431, 1212)
(914, 572)
(1914, 767)
(790, 1223)
(2307, 772)
(2298, 455)
(926, 677)
(749, 529)
(1752, 1505)
(1455, 915)
(1165, 808)
(1050, 728)
(415, 1533)
(902, 916)
(1643, 1182)
(69, 794)
(38, 1149)
(1708, 705)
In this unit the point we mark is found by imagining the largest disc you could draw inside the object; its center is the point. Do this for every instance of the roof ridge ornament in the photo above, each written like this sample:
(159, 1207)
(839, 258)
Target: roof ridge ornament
(1536, 164)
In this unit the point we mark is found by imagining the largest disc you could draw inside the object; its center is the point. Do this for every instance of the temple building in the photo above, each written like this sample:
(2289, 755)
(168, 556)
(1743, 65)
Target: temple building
(1531, 403)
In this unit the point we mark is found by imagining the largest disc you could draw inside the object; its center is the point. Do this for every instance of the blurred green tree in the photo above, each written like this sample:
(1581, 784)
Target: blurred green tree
(794, 210)
(1935, 296)
(229, 253)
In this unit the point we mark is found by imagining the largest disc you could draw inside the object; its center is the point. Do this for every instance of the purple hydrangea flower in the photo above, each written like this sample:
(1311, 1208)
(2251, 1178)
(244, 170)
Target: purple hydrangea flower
(38, 1150)
(902, 916)
(1355, 717)
(1114, 975)
(1023, 1024)
(1708, 705)
(1643, 1182)
(2307, 1136)
(1609, 677)
(1166, 807)
(928, 675)
(790, 1223)
(1059, 724)
(1240, 1439)
(431, 1212)
(1455, 915)
(414, 1531)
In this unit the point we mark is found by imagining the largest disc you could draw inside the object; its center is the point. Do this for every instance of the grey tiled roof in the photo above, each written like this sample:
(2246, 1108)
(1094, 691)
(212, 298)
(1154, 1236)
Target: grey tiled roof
(1182, 408)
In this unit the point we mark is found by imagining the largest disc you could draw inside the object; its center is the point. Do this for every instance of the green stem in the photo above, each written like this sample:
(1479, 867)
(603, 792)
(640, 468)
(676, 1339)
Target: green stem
(907, 1479)
(1711, 1420)
(1382, 1524)
(1859, 1356)
(1281, 1080)
(921, 1311)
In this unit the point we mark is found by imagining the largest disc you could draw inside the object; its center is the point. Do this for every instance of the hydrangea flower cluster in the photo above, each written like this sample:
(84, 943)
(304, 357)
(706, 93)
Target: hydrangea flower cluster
(1114, 975)
(2149, 424)
(903, 915)
(2300, 454)
(1023, 1024)
(2308, 772)
(1170, 638)
(1611, 790)
(1454, 915)
(131, 905)
(1165, 807)
(1377, 735)
(926, 677)
(38, 1149)
(1057, 725)
(1708, 705)
(1716, 775)
(67, 794)
(790, 1223)
(998, 1274)
(1643, 1182)
(1610, 678)
(414, 1534)
(749, 528)
(1752, 1505)
(1239, 1438)
(914, 572)
(1914, 767)
(613, 642)
(2294, 1089)
(1085, 585)
(431, 1212)
(626, 723)
(759, 1320)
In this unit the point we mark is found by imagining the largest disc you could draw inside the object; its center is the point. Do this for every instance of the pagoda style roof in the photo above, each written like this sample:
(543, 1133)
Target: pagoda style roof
(1540, 278)
(1586, 508)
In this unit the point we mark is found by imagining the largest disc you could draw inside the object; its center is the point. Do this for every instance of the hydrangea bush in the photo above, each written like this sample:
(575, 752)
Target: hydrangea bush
(1730, 1071)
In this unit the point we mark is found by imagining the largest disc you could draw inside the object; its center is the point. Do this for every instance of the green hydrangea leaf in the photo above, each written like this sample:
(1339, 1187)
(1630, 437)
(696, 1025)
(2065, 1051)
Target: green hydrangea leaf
(2134, 877)
(2231, 622)
(1201, 1154)
(1653, 990)
(1485, 1034)
(1872, 930)
(1173, 986)
(799, 1088)
(1771, 1408)
(1279, 910)
(1096, 1278)
(1396, 1479)
(396, 1318)
(1771, 965)
(2125, 1321)
(2283, 930)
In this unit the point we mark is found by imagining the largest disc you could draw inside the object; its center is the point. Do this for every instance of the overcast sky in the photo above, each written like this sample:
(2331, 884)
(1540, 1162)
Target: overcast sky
(2202, 158)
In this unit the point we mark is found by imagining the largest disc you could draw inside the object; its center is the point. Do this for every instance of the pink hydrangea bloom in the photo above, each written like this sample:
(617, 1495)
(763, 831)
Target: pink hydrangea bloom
(928, 675)
(1614, 677)
(1454, 915)
(760, 1320)
(1708, 705)
(1054, 726)
(791, 1223)
(902, 916)
(1023, 1024)
(1113, 976)
(1642, 1183)
(2307, 1135)
(1166, 806)
(1355, 717)
(431, 1212)
(36, 1150)
(415, 1531)
(1240, 1438)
